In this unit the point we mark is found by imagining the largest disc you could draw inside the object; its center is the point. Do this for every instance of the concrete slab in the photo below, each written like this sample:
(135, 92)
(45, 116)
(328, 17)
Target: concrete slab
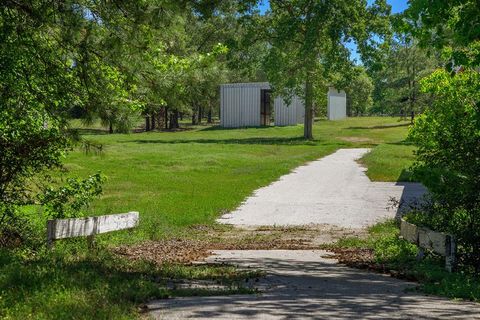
(306, 285)
(332, 190)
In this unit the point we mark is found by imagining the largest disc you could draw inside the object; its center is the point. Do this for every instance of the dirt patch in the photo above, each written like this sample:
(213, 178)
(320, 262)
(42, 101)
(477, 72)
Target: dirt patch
(165, 251)
(355, 257)
(356, 139)
(360, 258)
(198, 243)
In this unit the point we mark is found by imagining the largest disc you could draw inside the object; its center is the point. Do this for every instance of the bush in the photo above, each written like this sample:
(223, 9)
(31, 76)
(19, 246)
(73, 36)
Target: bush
(68, 200)
(448, 158)
(24, 226)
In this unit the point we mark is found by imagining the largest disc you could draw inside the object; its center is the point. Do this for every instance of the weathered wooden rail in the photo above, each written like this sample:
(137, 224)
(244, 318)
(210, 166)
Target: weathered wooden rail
(89, 227)
(438, 242)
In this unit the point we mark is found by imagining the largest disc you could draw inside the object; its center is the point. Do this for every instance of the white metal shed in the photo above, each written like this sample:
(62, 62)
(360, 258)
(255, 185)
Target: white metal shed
(249, 105)
(337, 104)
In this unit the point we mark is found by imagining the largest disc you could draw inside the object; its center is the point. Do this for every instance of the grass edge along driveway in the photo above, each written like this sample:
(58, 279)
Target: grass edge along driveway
(179, 179)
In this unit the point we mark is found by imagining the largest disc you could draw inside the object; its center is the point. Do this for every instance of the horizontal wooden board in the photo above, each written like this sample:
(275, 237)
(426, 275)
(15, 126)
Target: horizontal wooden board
(432, 240)
(80, 227)
(409, 231)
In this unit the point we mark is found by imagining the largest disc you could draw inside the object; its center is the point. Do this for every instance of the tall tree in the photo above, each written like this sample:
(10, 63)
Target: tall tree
(397, 83)
(308, 40)
(359, 93)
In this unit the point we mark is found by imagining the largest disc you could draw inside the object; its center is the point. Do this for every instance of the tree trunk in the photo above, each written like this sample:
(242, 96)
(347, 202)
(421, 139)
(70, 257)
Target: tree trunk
(308, 125)
(194, 115)
(174, 120)
(194, 118)
(147, 123)
(200, 115)
(110, 127)
(166, 118)
(152, 119)
(209, 116)
(176, 117)
(160, 119)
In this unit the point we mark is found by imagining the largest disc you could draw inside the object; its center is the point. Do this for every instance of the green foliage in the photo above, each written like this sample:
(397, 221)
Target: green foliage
(359, 93)
(383, 239)
(397, 82)
(67, 201)
(448, 25)
(448, 140)
(54, 57)
(37, 87)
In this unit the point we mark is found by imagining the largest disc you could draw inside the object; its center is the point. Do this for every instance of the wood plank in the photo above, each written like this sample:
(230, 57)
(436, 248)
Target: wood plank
(80, 227)
(409, 231)
(435, 241)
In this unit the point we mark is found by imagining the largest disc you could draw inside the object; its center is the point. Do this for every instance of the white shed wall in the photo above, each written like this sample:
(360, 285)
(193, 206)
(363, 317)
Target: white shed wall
(337, 104)
(240, 106)
(288, 115)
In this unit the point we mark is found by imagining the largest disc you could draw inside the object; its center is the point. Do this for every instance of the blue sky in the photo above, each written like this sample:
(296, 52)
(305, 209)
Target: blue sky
(397, 6)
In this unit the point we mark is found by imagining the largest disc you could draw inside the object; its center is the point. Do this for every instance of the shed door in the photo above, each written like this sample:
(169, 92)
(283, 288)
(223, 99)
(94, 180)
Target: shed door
(265, 107)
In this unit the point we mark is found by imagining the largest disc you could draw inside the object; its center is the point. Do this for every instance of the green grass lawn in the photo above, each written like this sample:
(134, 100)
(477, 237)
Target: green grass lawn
(177, 179)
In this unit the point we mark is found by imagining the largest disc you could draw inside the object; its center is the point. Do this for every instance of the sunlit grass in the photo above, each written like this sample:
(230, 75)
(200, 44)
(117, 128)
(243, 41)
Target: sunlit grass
(178, 179)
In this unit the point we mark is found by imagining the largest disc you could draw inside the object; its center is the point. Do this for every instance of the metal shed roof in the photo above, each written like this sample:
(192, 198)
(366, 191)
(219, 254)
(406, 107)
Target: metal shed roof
(262, 85)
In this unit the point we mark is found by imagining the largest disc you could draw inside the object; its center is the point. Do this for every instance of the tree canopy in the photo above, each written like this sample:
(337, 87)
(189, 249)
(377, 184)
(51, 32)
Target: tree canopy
(307, 42)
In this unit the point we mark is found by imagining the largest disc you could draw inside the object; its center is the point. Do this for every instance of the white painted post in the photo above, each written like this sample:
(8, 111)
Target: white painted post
(89, 227)
(450, 253)
(438, 242)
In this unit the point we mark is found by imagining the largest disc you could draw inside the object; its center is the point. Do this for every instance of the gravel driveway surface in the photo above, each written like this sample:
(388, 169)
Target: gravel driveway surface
(332, 190)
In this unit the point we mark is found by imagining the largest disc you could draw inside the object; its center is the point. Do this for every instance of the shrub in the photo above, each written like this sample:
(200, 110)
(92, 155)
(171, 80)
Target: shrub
(448, 157)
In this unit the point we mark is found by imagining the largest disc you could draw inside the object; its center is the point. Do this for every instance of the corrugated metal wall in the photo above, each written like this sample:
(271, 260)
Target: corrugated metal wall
(240, 106)
(337, 104)
(289, 115)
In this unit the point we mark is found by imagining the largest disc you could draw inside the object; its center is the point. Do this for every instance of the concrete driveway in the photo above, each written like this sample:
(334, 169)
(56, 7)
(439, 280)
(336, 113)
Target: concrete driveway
(306, 285)
(332, 190)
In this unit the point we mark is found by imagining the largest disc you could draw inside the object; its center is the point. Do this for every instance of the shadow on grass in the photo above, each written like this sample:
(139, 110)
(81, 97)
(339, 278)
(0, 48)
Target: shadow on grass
(55, 287)
(259, 141)
(220, 128)
(90, 131)
(98, 285)
(406, 176)
(383, 126)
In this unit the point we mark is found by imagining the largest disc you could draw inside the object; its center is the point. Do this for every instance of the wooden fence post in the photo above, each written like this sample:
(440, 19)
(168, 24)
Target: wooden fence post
(89, 227)
(450, 253)
(438, 242)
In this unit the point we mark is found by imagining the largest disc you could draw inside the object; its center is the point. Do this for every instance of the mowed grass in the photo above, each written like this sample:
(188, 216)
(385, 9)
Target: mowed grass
(179, 179)
(390, 162)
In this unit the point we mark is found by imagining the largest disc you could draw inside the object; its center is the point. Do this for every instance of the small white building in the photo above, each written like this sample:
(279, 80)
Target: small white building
(250, 105)
(337, 104)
